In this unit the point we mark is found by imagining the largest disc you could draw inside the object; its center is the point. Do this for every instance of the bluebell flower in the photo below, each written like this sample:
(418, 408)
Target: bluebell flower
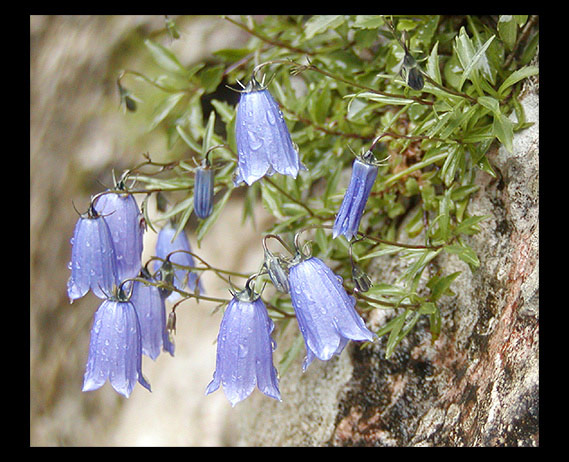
(203, 191)
(150, 308)
(245, 350)
(364, 172)
(263, 140)
(126, 224)
(183, 279)
(326, 314)
(93, 261)
(115, 349)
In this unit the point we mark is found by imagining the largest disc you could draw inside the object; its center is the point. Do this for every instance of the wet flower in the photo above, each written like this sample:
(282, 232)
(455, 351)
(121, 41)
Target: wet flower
(350, 214)
(263, 140)
(151, 311)
(93, 261)
(245, 350)
(183, 279)
(325, 313)
(123, 216)
(203, 190)
(115, 349)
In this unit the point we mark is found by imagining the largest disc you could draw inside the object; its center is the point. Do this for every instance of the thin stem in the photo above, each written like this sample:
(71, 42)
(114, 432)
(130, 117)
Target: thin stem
(161, 285)
(312, 67)
(408, 306)
(266, 39)
(152, 82)
(371, 238)
(288, 196)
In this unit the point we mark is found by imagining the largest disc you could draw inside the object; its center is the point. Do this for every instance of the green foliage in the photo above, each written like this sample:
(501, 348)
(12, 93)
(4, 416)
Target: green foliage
(338, 83)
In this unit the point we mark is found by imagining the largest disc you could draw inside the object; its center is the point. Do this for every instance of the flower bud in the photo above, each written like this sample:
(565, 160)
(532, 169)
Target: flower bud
(203, 191)
(350, 214)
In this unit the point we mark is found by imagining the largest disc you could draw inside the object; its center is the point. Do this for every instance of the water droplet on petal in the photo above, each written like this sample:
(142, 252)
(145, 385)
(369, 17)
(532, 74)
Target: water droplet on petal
(254, 141)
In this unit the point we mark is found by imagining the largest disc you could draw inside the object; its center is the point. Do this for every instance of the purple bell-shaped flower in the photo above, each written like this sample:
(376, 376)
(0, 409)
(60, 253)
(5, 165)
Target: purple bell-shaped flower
(126, 224)
(115, 349)
(151, 310)
(364, 173)
(326, 314)
(245, 350)
(93, 260)
(183, 279)
(263, 140)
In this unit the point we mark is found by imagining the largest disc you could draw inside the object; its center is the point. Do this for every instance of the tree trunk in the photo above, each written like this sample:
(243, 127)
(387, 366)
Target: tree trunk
(478, 384)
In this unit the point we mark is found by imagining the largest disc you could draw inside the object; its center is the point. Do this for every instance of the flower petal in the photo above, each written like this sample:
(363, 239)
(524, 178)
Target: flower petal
(115, 349)
(93, 262)
(183, 279)
(244, 352)
(123, 216)
(151, 311)
(349, 216)
(263, 140)
(325, 312)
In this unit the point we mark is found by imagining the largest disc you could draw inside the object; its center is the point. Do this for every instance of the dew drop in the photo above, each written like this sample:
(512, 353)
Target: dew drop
(254, 141)
(271, 118)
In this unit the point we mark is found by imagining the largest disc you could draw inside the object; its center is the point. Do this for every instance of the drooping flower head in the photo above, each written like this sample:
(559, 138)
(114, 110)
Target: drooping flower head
(166, 244)
(245, 350)
(326, 314)
(364, 173)
(263, 140)
(203, 190)
(93, 261)
(115, 349)
(148, 302)
(126, 224)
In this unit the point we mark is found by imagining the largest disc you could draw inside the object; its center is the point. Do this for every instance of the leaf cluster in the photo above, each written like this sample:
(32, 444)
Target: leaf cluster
(337, 79)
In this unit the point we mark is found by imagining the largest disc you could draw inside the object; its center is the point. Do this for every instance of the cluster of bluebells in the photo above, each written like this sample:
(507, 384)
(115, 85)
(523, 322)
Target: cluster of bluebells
(131, 321)
(106, 259)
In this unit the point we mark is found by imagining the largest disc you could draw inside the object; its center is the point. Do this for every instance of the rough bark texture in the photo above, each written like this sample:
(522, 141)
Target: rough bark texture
(478, 384)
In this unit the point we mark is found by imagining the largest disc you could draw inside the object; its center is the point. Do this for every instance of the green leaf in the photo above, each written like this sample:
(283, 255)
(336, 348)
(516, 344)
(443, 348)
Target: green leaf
(320, 23)
(473, 62)
(516, 76)
(451, 165)
(469, 225)
(208, 134)
(165, 58)
(433, 64)
(465, 253)
(489, 103)
(503, 129)
(163, 109)
(435, 322)
(211, 77)
(206, 224)
(187, 139)
(441, 286)
(368, 21)
(444, 214)
(507, 30)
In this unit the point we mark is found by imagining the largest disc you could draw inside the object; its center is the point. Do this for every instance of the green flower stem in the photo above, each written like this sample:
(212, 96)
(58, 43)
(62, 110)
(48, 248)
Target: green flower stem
(312, 67)
(266, 39)
(365, 236)
(152, 82)
(296, 201)
(418, 166)
(408, 306)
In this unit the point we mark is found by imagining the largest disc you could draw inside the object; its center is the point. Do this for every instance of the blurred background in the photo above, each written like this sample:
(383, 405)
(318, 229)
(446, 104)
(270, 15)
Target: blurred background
(78, 135)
